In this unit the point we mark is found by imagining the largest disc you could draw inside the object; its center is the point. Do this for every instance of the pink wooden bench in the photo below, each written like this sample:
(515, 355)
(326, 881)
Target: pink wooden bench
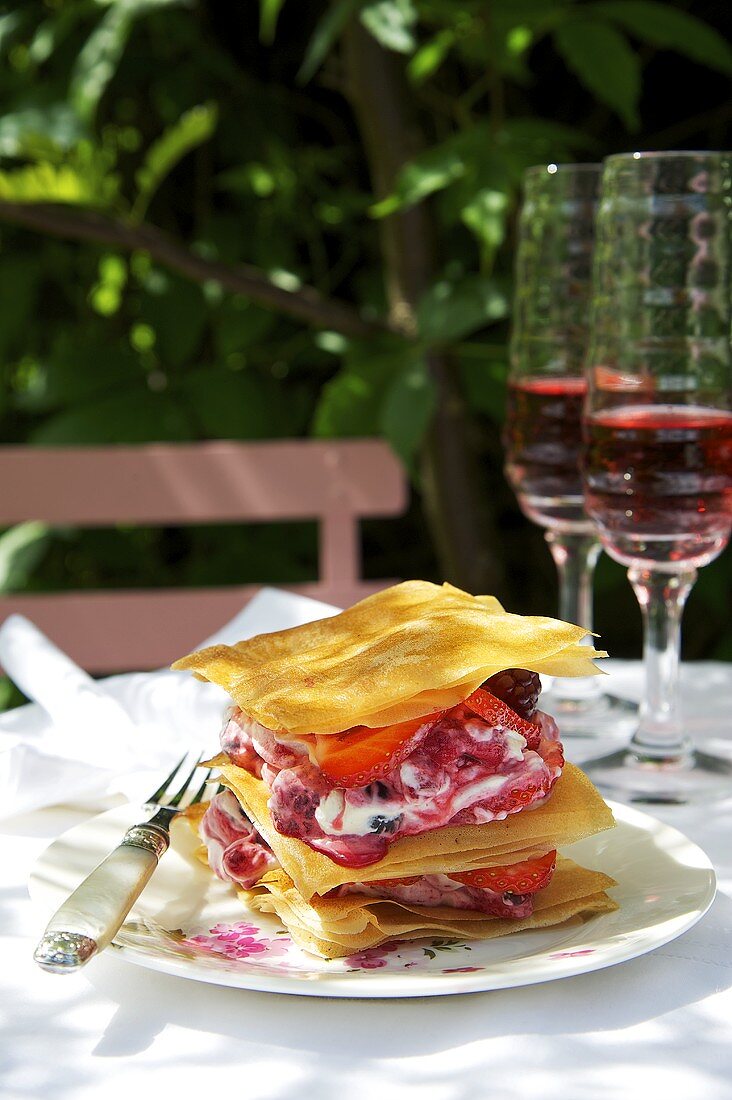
(335, 483)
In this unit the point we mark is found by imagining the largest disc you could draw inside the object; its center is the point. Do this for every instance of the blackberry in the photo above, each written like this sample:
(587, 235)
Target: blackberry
(517, 688)
(382, 824)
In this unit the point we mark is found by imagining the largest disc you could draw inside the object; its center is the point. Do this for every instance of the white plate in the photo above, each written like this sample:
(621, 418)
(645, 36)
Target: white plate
(665, 885)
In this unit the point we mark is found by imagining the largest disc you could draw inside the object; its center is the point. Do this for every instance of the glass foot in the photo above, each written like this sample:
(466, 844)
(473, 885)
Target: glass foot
(597, 715)
(629, 777)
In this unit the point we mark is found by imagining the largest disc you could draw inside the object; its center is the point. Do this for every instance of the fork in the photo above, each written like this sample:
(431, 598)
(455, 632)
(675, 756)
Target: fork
(92, 915)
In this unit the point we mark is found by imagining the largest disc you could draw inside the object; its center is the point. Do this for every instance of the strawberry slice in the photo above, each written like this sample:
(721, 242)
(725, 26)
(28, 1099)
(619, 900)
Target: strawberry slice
(360, 755)
(518, 878)
(496, 713)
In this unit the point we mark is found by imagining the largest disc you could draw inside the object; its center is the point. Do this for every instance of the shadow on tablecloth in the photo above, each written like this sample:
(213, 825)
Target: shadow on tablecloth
(575, 1025)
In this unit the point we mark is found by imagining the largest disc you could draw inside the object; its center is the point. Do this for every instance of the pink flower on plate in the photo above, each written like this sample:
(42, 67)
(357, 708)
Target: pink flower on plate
(372, 957)
(237, 941)
(238, 928)
(278, 946)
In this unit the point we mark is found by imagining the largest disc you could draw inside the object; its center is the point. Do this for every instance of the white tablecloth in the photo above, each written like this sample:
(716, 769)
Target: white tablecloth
(660, 1025)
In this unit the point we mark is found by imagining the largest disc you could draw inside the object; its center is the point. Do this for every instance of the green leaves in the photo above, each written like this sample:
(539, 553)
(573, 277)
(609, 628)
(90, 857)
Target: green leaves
(67, 169)
(98, 60)
(528, 140)
(594, 48)
(17, 310)
(21, 549)
(79, 370)
(240, 325)
(65, 183)
(106, 294)
(84, 173)
(408, 408)
(240, 405)
(451, 310)
(483, 371)
(350, 404)
(485, 216)
(136, 416)
(670, 28)
(480, 172)
(384, 389)
(176, 312)
(9, 24)
(269, 11)
(192, 129)
(429, 57)
(432, 171)
(486, 167)
(605, 63)
(56, 124)
(327, 32)
(392, 23)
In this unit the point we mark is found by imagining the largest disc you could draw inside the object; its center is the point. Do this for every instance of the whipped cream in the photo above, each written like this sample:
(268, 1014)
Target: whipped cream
(338, 817)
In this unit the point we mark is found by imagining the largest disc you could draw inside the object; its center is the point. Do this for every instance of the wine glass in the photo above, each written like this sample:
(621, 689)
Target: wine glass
(658, 430)
(546, 390)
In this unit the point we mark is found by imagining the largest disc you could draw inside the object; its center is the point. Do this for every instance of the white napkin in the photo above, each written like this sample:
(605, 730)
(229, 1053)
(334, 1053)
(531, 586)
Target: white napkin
(87, 739)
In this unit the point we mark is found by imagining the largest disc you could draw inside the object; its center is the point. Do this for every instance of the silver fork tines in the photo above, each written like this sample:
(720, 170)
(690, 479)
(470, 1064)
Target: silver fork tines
(154, 834)
(161, 796)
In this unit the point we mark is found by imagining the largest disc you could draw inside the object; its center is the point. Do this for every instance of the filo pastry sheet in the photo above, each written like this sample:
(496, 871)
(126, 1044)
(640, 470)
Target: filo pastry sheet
(405, 652)
(574, 810)
(337, 927)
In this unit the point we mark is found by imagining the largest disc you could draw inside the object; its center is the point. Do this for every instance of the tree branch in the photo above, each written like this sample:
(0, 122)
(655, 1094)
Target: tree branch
(304, 304)
(456, 501)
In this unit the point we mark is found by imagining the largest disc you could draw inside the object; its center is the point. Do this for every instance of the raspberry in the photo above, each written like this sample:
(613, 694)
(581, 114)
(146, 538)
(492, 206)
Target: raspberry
(517, 688)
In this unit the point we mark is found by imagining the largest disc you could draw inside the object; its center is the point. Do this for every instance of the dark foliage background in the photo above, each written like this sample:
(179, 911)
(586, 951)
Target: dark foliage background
(312, 142)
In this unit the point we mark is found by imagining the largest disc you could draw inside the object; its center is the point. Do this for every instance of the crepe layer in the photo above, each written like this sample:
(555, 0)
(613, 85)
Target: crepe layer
(337, 927)
(410, 650)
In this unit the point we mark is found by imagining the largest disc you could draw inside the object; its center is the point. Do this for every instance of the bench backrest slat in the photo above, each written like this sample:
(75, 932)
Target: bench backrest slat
(200, 482)
(334, 483)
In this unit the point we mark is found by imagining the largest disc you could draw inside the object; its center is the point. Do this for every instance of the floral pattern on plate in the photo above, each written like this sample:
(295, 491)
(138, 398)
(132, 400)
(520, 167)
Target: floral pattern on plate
(243, 941)
(238, 941)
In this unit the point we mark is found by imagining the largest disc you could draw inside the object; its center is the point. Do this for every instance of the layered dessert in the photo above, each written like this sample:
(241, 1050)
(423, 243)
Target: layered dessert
(396, 755)
(352, 794)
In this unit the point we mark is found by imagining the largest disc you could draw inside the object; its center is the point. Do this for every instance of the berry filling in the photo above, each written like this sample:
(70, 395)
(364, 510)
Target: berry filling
(501, 891)
(476, 763)
(236, 851)
(440, 890)
(249, 745)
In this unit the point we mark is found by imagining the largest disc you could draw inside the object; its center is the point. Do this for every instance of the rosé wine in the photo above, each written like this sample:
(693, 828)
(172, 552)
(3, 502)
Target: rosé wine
(543, 442)
(659, 482)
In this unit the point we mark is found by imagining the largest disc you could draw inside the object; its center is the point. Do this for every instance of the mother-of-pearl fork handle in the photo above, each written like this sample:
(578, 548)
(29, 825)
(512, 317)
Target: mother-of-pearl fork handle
(91, 917)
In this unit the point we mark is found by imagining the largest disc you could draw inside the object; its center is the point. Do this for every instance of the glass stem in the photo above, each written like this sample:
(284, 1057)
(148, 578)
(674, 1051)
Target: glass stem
(660, 737)
(575, 556)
